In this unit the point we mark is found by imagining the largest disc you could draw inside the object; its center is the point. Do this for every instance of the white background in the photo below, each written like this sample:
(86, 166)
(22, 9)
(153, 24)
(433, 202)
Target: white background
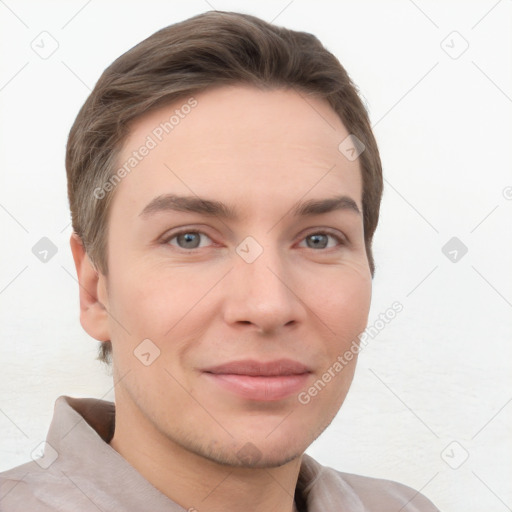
(440, 371)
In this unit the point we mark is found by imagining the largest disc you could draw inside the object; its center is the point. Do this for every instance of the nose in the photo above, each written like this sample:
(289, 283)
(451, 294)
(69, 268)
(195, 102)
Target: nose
(262, 294)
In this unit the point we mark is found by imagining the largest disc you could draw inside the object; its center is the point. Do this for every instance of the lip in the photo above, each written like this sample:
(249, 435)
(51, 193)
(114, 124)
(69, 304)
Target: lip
(258, 380)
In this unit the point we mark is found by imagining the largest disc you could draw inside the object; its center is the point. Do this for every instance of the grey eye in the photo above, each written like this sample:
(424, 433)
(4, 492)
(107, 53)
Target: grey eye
(319, 240)
(187, 239)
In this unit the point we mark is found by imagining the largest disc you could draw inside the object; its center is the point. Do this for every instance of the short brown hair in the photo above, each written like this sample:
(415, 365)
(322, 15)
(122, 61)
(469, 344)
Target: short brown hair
(211, 49)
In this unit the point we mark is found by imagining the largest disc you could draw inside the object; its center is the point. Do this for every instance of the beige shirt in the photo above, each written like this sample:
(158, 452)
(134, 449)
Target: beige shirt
(81, 472)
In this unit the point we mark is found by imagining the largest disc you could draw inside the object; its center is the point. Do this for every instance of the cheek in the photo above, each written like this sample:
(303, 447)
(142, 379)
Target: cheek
(162, 305)
(152, 299)
(344, 302)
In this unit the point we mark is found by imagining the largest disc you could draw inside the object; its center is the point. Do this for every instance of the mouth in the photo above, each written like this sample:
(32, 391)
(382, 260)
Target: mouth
(261, 381)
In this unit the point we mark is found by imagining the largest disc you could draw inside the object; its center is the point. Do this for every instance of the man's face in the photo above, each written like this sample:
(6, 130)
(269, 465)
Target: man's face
(263, 286)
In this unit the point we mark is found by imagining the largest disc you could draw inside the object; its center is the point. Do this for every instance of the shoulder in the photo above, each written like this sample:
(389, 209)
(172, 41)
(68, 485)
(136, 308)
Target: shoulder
(27, 487)
(325, 487)
(386, 495)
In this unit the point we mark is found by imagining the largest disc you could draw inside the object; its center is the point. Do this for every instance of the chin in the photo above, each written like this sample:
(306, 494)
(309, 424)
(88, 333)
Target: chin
(245, 451)
(252, 457)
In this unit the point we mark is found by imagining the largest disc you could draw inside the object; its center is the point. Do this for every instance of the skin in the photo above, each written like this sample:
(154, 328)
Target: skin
(260, 152)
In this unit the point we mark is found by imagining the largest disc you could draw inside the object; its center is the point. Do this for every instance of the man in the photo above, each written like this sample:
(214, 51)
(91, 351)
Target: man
(225, 186)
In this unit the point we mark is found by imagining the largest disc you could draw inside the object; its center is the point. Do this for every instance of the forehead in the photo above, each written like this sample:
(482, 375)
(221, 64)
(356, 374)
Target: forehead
(239, 142)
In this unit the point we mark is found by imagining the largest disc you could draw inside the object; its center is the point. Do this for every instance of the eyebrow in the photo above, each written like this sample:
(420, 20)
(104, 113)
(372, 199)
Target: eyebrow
(195, 204)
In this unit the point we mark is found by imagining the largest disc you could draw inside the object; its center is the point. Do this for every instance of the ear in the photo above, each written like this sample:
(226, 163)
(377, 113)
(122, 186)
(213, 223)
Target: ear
(93, 293)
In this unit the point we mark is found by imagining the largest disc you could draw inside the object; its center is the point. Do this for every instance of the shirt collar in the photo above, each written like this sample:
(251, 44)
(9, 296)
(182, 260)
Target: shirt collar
(82, 428)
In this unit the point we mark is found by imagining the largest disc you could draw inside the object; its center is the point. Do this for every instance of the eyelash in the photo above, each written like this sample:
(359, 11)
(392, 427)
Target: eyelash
(342, 242)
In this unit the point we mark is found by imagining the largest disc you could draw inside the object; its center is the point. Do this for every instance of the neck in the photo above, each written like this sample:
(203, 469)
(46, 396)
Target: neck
(197, 483)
